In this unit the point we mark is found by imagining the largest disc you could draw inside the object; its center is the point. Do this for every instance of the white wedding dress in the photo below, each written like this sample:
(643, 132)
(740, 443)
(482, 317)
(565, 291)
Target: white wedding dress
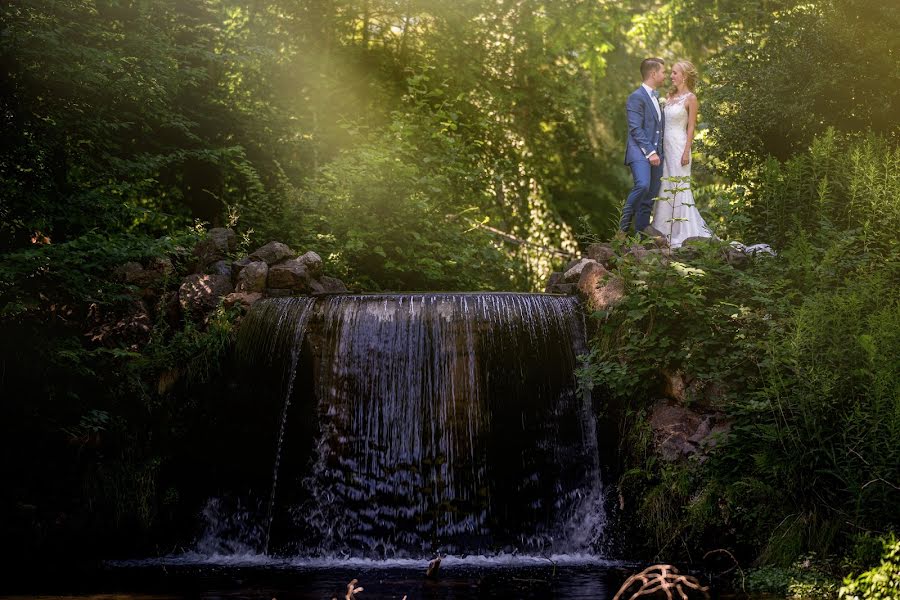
(674, 213)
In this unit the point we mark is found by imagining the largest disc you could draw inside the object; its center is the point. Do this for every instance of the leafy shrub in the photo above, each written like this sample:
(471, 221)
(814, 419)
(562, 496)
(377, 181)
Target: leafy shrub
(879, 583)
(808, 578)
(381, 221)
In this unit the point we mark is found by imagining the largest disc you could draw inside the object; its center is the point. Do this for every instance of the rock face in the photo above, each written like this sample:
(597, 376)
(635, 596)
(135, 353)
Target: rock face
(220, 267)
(602, 253)
(573, 273)
(218, 243)
(680, 432)
(201, 293)
(272, 253)
(252, 278)
(290, 275)
(245, 299)
(600, 290)
(332, 285)
(154, 273)
(312, 262)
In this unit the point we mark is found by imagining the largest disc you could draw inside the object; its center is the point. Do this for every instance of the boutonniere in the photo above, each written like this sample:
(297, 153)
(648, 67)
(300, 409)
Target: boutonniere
(662, 101)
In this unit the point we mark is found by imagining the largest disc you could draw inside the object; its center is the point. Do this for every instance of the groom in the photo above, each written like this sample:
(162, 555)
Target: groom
(643, 153)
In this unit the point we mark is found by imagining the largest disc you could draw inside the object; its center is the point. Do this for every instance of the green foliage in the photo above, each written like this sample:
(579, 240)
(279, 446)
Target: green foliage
(700, 316)
(844, 184)
(879, 583)
(382, 225)
(789, 70)
(808, 578)
(801, 351)
(117, 119)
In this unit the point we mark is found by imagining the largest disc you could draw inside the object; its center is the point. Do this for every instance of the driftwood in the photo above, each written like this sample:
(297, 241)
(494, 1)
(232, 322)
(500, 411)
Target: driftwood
(352, 590)
(433, 567)
(660, 580)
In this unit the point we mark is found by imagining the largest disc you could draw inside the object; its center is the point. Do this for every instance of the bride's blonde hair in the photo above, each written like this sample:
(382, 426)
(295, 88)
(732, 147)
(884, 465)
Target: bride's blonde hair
(690, 76)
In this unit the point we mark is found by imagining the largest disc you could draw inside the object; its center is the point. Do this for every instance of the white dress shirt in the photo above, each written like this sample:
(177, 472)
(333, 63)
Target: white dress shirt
(652, 97)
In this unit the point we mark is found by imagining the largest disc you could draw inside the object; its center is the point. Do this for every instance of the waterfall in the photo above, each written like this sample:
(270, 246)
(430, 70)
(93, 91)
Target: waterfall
(421, 423)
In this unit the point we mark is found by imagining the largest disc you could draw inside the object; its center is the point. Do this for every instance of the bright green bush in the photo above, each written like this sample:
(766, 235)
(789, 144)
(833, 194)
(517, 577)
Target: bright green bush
(879, 583)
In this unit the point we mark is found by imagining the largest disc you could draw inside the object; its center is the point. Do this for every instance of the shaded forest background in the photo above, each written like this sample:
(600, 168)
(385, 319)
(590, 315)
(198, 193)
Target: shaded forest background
(397, 138)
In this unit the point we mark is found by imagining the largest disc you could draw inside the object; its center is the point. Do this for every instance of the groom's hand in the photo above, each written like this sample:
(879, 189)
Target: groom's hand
(654, 160)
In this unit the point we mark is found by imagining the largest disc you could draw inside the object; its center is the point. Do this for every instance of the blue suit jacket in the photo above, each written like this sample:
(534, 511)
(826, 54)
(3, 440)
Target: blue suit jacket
(645, 129)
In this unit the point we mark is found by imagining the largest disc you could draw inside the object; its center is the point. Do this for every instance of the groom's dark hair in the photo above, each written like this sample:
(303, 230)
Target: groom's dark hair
(649, 65)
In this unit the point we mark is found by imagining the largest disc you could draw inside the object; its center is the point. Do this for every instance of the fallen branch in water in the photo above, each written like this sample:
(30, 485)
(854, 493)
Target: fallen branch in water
(433, 567)
(660, 578)
(352, 590)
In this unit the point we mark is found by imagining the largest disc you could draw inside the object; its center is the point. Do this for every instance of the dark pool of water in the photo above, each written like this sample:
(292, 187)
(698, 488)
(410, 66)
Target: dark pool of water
(463, 581)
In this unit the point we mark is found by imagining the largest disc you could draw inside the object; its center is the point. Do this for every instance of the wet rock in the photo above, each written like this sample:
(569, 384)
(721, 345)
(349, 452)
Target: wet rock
(252, 278)
(564, 288)
(272, 253)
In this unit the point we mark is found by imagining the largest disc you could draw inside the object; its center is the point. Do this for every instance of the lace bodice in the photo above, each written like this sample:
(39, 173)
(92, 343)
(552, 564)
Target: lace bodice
(676, 135)
(677, 117)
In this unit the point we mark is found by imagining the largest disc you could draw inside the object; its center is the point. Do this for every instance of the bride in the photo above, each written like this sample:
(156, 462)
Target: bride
(674, 213)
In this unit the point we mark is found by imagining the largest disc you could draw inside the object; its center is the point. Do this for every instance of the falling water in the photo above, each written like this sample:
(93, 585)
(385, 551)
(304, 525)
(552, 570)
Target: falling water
(442, 422)
(287, 319)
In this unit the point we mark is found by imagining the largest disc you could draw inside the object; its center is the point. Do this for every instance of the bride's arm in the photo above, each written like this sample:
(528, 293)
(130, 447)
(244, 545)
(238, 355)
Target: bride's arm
(691, 104)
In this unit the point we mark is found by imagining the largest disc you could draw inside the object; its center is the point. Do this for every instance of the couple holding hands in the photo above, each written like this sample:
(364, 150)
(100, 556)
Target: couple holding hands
(659, 155)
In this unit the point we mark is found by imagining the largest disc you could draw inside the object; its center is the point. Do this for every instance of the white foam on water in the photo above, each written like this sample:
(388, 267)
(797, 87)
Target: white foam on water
(504, 560)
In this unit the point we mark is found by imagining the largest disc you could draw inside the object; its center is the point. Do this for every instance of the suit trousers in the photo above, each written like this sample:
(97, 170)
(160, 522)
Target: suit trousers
(639, 203)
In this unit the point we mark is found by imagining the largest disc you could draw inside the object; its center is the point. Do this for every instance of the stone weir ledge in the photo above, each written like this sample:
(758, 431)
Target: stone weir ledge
(271, 271)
